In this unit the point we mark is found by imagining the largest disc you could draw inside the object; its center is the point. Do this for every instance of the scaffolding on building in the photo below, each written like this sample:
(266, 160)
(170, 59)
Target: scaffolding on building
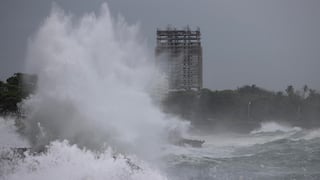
(183, 57)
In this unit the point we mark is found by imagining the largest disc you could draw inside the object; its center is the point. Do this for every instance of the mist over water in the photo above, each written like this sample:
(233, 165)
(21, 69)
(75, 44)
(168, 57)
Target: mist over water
(95, 80)
(9, 136)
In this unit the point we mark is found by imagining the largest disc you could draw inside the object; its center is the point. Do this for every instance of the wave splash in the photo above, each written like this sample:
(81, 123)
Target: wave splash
(65, 161)
(275, 131)
(268, 127)
(9, 136)
(95, 77)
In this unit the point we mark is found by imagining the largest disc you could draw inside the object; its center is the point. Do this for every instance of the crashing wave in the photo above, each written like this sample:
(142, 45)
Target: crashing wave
(312, 134)
(267, 127)
(65, 161)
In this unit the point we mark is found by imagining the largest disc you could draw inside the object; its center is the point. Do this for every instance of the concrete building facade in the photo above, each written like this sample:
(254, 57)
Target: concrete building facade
(180, 54)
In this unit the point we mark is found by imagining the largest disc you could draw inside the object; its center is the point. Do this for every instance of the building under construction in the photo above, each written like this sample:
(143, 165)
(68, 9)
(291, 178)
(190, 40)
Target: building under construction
(179, 52)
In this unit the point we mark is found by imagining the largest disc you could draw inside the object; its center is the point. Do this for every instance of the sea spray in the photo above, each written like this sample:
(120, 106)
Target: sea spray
(9, 137)
(65, 161)
(94, 78)
(272, 127)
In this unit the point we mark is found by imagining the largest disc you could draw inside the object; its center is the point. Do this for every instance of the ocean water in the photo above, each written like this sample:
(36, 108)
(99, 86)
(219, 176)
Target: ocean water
(271, 152)
(279, 153)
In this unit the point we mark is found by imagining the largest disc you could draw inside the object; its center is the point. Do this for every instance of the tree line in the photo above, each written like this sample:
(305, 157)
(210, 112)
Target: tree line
(246, 107)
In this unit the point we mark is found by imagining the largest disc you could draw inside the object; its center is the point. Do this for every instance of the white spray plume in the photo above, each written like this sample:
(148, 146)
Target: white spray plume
(94, 75)
(8, 134)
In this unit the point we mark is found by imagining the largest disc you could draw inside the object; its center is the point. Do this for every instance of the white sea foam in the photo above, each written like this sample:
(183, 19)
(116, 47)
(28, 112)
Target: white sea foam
(64, 161)
(312, 134)
(267, 127)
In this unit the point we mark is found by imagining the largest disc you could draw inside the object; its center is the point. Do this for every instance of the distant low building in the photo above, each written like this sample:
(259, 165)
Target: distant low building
(179, 52)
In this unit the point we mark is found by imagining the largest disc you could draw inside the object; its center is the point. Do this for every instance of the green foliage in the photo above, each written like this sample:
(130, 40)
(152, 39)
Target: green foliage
(16, 88)
(290, 90)
(247, 104)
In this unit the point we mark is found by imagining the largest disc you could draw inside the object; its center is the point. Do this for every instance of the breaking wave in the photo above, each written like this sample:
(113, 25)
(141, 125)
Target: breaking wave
(65, 161)
(268, 127)
(95, 80)
(308, 135)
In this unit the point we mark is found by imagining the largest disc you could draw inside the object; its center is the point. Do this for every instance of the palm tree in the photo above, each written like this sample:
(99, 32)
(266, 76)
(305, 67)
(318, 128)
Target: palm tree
(290, 90)
(305, 90)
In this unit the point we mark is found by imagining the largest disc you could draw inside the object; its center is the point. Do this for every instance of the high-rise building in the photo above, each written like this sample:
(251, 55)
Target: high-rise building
(179, 52)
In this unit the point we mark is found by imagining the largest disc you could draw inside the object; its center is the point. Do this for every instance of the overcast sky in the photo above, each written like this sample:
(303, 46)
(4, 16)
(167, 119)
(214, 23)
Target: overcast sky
(270, 43)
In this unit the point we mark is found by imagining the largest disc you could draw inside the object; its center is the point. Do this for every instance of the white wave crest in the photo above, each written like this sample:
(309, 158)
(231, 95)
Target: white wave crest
(94, 81)
(312, 134)
(267, 127)
(64, 161)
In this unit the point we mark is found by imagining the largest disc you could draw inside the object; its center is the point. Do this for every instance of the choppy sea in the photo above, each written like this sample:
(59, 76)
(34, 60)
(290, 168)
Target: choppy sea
(270, 152)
